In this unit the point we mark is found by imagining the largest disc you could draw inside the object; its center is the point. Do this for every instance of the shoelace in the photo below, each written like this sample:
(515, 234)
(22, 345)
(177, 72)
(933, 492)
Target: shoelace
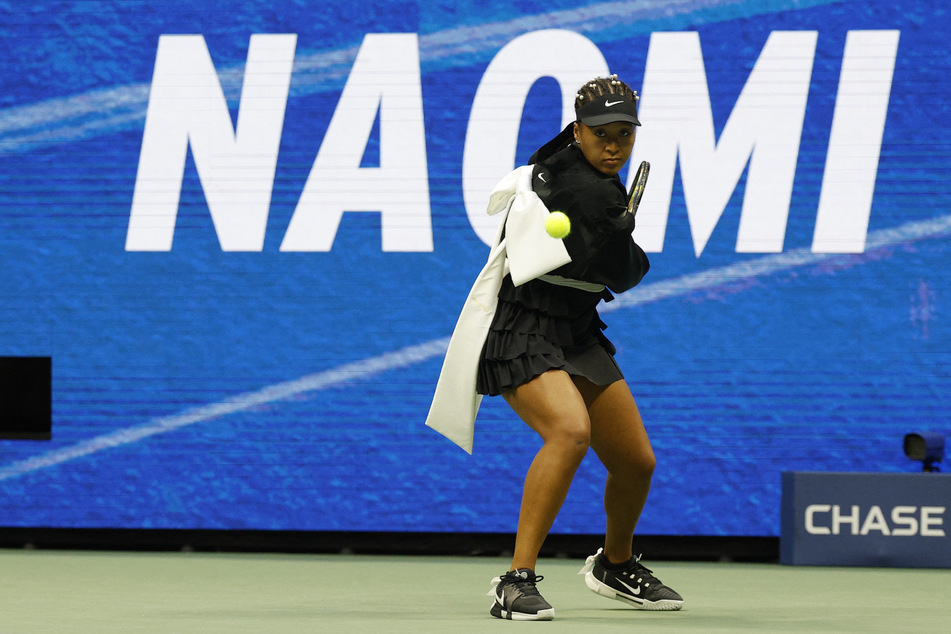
(639, 569)
(525, 586)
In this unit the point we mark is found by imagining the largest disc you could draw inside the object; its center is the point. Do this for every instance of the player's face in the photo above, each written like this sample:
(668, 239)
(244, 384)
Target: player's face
(607, 147)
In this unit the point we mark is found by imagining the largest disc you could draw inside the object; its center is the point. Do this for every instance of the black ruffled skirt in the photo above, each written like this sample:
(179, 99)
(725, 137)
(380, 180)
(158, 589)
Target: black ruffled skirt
(540, 326)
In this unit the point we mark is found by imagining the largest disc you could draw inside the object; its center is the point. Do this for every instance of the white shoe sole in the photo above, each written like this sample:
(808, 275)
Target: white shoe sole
(542, 615)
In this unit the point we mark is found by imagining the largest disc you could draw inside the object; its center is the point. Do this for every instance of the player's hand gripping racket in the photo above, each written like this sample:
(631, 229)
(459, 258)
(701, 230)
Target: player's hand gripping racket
(637, 187)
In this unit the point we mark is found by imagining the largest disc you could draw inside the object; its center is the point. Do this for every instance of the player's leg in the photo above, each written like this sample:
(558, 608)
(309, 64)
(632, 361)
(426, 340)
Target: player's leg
(552, 406)
(620, 440)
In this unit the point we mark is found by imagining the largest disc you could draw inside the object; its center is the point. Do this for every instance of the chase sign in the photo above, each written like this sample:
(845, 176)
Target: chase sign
(866, 519)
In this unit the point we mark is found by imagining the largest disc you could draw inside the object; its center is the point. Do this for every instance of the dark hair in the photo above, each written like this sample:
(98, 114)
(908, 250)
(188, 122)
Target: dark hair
(601, 86)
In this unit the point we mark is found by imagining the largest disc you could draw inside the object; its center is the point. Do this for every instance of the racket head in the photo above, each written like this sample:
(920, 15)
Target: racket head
(637, 186)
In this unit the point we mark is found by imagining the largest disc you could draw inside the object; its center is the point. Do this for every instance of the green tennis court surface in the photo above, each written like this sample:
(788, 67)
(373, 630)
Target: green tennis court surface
(78, 592)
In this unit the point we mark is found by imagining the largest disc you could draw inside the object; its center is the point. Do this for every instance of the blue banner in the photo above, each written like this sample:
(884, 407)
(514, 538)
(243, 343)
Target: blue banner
(244, 234)
(865, 519)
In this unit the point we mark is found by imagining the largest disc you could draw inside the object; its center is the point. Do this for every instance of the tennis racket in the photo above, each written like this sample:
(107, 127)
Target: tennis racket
(637, 187)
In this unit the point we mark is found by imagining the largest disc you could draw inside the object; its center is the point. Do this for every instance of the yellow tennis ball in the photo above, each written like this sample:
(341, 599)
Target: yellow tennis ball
(557, 224)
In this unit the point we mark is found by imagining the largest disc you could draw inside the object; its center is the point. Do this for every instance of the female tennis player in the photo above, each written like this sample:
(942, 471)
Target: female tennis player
(545, 353)
(531, 327)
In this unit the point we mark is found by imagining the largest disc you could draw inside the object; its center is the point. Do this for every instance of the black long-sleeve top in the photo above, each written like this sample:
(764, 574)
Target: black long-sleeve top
(600, 244)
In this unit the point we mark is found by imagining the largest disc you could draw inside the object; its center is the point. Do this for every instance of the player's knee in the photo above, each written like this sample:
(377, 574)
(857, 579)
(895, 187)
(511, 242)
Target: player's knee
(646, 464)
(572, 436)
(638, 465)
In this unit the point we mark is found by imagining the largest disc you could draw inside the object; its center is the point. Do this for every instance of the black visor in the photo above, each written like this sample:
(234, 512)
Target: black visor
(608, 109)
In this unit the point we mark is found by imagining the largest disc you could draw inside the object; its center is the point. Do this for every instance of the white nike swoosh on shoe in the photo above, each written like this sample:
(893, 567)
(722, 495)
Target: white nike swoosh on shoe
(634, 591)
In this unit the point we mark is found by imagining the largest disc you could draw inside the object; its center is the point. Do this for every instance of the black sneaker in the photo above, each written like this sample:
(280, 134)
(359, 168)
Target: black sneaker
(517, 598)
(634, 584)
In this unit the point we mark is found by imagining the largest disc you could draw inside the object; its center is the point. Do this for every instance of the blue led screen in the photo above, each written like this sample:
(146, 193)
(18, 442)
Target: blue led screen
(243, 236)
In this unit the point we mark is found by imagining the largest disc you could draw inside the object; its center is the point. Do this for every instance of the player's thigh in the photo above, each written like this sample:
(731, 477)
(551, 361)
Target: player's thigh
(618, 435)
(552, 406)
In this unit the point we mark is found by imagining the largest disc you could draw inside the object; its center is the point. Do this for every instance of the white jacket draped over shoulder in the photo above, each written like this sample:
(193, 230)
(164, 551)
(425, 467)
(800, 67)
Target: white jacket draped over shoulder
(526, 252)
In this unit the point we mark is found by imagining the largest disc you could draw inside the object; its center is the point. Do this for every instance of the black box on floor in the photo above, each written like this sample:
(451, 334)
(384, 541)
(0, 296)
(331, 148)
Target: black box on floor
(26, 398)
